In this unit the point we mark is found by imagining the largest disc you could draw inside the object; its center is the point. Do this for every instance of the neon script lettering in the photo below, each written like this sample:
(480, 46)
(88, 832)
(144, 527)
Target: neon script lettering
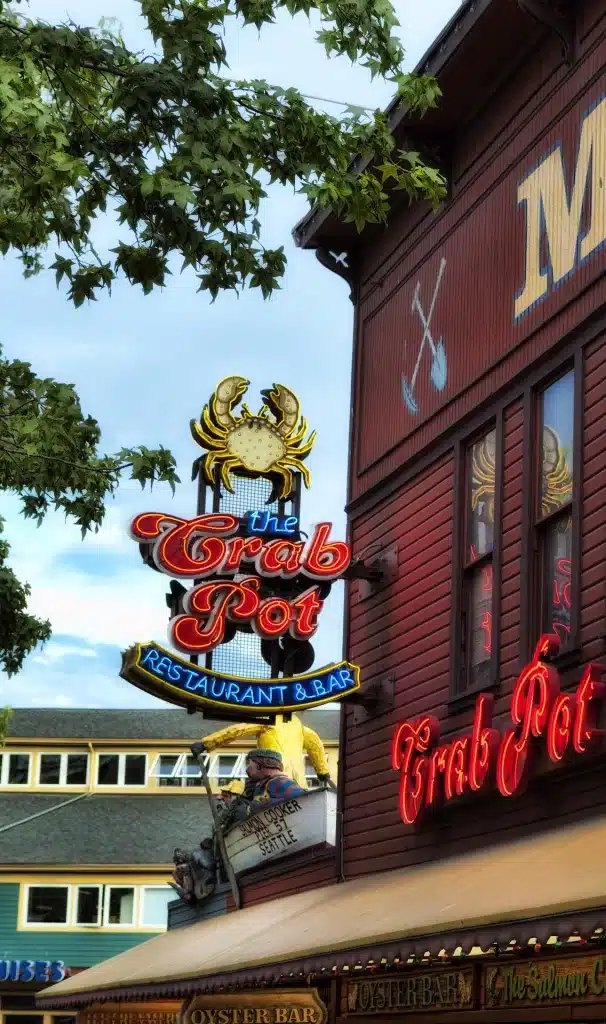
(210, 606)
(563, 723)
(207, 545)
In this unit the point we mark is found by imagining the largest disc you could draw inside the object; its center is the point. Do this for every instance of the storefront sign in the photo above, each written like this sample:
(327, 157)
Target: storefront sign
(42, 971)
(132, 1013)
(292, 1006)
(562, 723)
(569, 980)
(207, 546)
(443, 990)
(279, 831)
(158, 671)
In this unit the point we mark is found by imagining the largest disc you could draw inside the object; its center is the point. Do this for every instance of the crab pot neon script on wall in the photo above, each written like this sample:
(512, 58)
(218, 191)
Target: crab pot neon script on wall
(208, 546)
(565, 724)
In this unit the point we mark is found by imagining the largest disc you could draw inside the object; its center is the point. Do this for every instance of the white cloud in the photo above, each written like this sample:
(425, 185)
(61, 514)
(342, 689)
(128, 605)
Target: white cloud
(56, 652)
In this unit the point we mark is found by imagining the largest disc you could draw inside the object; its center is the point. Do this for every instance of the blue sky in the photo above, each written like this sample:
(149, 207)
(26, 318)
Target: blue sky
(144, 365)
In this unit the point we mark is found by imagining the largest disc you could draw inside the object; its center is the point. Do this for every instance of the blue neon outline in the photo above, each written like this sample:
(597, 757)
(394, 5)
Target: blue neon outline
(190, 695)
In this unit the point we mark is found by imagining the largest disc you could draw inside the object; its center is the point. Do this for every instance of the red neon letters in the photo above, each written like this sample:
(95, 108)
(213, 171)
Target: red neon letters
(430, 772)
(211, 605)
(201, 547)
(207, 546)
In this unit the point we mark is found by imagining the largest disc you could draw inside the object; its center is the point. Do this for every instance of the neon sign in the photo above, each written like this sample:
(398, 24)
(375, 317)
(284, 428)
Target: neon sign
(563, 723)
(208, 546)
(158, 671)
(265, 522)
(204, 546)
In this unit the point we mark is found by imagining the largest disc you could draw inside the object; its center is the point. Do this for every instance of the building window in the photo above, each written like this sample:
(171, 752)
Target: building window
(192, 776)
(47, 904)
(88, 905)
(154, 905)
(310, 775)
(120, 905)
(14, 769)
(177, 770)
(224, 768)
(554, 508)
(63, 770)
(476, 626)
(165, 769)
(122, 769)
(84, 905)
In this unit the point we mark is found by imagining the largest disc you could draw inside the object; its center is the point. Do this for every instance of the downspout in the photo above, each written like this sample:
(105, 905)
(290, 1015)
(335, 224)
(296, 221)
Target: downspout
(343, 717)
(92, 762)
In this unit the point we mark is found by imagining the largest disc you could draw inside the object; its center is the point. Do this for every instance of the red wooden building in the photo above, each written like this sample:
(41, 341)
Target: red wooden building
(477, 454)
(468, 819)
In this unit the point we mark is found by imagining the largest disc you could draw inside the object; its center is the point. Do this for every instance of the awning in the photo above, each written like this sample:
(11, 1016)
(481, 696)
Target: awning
(551, 885)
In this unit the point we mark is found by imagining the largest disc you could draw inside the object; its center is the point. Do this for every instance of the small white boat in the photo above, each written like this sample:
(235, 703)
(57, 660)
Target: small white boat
(282, 830)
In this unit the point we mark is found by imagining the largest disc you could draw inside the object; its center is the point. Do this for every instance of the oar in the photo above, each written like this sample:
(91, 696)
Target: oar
(196, 749)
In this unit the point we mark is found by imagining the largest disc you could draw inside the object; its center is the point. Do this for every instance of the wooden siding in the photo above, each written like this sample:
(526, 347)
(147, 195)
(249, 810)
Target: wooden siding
(481, 233)
(284, 881)
(404, 631)
(75, 949)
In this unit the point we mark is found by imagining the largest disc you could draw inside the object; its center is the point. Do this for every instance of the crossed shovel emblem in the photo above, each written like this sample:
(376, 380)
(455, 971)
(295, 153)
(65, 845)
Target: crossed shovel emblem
(438, 372)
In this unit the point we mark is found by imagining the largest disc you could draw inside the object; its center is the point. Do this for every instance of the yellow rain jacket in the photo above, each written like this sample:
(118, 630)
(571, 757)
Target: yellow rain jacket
(290, 739)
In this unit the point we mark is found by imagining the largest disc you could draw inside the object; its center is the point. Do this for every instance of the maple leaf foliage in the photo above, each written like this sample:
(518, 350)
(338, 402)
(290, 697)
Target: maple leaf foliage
(176, 156)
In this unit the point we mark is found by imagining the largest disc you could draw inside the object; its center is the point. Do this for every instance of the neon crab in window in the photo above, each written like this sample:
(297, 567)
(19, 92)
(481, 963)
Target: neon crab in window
(271, 443)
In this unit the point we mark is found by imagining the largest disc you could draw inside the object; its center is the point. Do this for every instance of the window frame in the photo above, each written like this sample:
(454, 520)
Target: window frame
(535, 528)
(88, 885)
(7, 753)
(134, 924)
(461, 691)
(141, 901)
(63, 783)
(121, 755)
(47, 925)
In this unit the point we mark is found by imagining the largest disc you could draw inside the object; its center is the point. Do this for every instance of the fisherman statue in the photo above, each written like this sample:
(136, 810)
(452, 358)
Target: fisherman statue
(268, 783)
(291, 739)
(195, 874)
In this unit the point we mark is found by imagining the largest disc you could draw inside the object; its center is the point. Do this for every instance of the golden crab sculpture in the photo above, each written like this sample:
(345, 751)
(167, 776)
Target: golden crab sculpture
(253, 445)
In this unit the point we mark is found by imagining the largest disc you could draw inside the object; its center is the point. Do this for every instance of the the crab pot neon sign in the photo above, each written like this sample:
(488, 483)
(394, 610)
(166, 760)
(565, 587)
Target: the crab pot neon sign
(208, 546)
(563, 723)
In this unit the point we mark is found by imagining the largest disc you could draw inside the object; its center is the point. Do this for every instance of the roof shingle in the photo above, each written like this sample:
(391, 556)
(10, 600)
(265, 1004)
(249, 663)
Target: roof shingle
(100, 829)
(140, 724)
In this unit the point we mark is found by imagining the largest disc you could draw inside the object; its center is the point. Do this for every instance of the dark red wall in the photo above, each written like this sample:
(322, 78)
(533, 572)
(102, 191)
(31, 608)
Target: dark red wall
(481, 235)
(403, 475)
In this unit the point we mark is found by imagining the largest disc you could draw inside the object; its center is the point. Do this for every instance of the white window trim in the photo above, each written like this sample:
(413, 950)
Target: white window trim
(63, 768)
(179, 772)
(142, 903)
(48, 925)
(120, 784)
(217, 774)
(6, 754)
(134, 924)
(85, 885)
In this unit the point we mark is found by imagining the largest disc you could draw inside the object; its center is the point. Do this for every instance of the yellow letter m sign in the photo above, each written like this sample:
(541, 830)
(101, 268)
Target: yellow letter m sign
(554, 212)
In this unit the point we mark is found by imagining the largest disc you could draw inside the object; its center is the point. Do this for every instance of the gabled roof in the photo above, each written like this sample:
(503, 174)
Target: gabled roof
(140, 724)
(99, 829)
